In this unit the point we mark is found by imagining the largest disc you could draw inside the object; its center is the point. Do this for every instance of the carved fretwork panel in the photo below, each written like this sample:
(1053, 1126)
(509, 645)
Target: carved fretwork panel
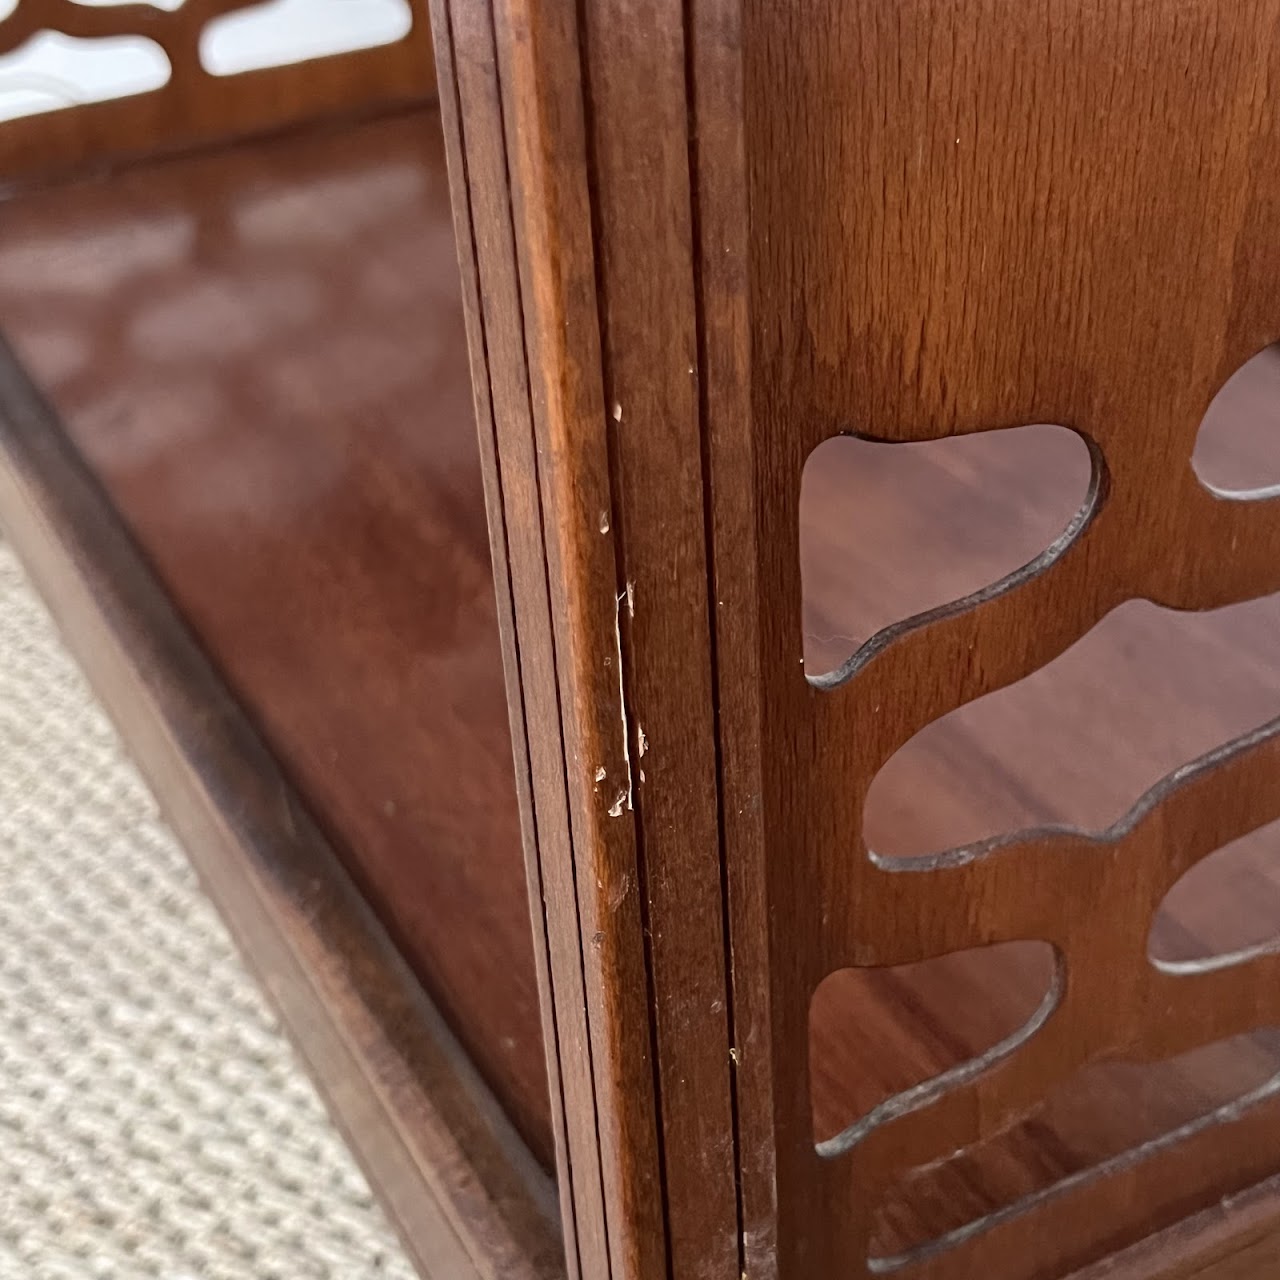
(93, 82)
(966, 218)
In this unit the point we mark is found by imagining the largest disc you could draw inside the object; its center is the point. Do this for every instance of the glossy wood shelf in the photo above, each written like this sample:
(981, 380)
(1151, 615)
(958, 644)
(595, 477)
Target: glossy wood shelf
(239, 462)
(260, 352)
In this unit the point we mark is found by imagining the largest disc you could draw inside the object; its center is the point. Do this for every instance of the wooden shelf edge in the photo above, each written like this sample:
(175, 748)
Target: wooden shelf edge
(1238, 1239)
(456, 1180)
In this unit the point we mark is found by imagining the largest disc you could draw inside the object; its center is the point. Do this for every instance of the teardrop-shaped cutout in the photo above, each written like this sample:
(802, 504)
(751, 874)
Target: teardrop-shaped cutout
(1109, 1122)
(1237, 451)
(281, 32)
(884, 1041)
(1224, 910)
(892, 531)
(1078, 742)
(51, 71)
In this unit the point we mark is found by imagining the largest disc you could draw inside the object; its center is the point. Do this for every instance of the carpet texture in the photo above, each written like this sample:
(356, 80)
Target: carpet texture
(153, 1120)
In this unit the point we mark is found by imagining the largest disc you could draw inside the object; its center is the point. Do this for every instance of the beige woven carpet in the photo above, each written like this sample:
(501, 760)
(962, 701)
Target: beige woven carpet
(153, 1121)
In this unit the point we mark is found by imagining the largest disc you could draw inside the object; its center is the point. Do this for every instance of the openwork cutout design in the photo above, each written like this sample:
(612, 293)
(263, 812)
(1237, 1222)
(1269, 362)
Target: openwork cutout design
(52, 71)
(942, 244)
(281, 32)
(128, 78)
(1099, 824)
(1237, 451)
(1224, 911)
(892, 535)
(919, 1029)
(1107, 1121)
(1084, 744)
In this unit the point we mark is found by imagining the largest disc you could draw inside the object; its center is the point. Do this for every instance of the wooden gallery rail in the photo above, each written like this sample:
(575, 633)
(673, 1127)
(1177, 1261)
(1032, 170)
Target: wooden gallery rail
(825, 823)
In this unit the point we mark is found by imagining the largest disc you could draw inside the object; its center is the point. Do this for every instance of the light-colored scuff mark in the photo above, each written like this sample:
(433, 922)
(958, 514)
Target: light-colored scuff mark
(733, 1056)
(628, 596)
(643, 741)
(641, 775)
(600, 773)
(619, 895)
(604, 522)
(617, 412)
(615, 809)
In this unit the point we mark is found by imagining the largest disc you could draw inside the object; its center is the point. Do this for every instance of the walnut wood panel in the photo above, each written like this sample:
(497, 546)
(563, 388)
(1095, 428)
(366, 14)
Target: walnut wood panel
(1238, 1240)
(467, 69)
(612, 405)
(463, 1191)
(195, 107)
(977, 231)
(543, 129)
(261, 353)
(908, 222)
(643, 225)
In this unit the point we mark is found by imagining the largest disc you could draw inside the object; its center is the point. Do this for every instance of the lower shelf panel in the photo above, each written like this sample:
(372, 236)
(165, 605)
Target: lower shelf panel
(463, 1190)
(259, 352)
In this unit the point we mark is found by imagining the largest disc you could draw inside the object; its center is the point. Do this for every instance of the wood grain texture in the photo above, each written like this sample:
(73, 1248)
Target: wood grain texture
(1236, 1240)
(261, 353)
(977, 231)
(612, 402)
(912, 223)
(634, 59)
(467, 67)
(1078, 742)
(194, 107)
(544, 128)
(466, 1196)
(696, 247)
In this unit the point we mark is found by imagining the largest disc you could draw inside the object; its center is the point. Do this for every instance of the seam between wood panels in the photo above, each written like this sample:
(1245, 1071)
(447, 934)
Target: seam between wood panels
(617, 517)
(546, 135)
(708, 516)
(554, 661)
(558, 1101)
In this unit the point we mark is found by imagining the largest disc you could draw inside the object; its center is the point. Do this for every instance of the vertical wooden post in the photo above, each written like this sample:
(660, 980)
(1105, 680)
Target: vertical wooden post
(576, 222)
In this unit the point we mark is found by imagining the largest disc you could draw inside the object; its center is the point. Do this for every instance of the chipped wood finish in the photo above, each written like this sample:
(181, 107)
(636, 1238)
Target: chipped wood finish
(698, 241)
(910, 223)
(620, 483)
(194, 107)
